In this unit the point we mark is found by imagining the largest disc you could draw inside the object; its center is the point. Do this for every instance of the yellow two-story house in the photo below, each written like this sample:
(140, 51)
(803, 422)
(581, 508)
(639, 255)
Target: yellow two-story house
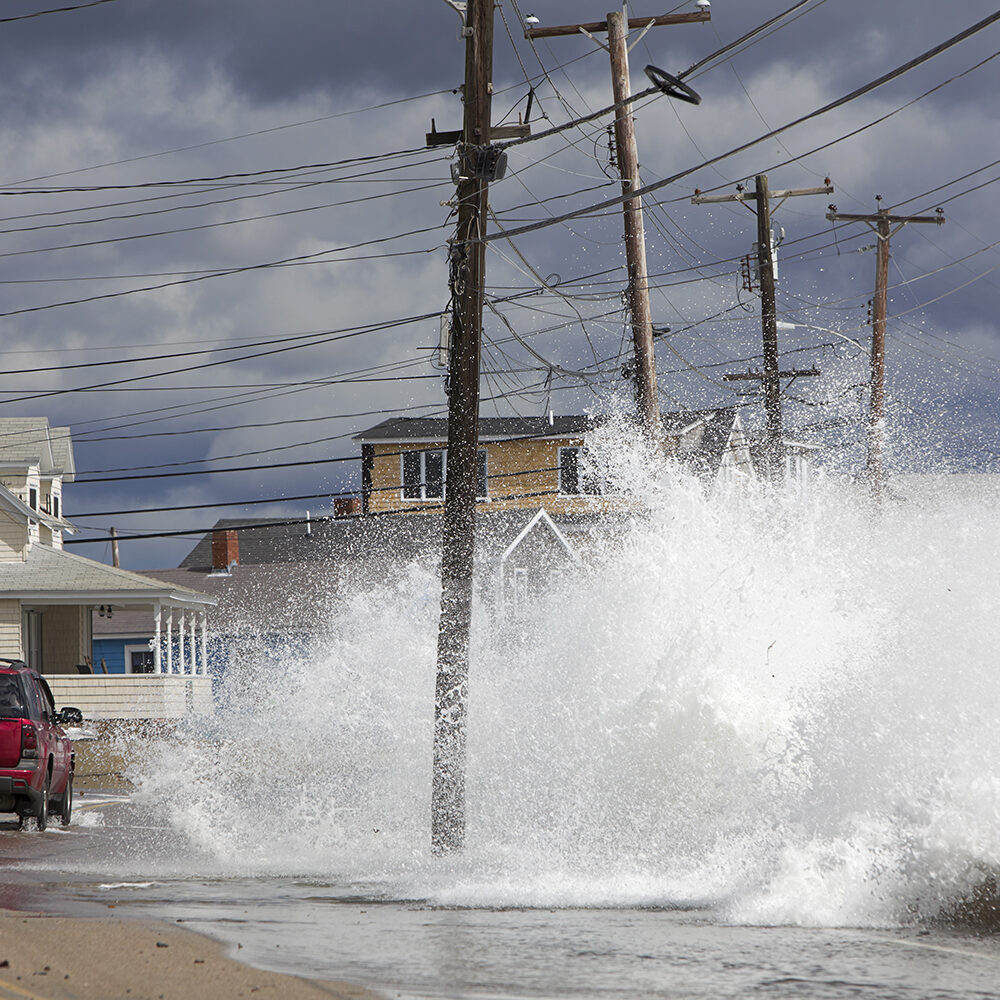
(529, 462)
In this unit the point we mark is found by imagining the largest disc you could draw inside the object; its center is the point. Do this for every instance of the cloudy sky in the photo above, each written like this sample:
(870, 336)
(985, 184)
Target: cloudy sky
(220, 228)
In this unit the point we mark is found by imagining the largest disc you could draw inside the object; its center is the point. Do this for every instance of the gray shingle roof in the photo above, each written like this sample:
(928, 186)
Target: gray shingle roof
(490, 428)
(373, 541)
(62, 452)
(502, 428)
(30, 439)
(48, 571)
(344, 555)
(273, 597)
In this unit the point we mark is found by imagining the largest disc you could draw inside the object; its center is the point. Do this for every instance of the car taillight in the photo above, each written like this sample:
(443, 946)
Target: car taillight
(29, 740)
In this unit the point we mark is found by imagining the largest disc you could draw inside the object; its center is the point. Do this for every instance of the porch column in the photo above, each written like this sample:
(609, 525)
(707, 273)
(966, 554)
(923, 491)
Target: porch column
(203, 621)
(180, 644)
(158, 621)
(170, 641)
(194, 645)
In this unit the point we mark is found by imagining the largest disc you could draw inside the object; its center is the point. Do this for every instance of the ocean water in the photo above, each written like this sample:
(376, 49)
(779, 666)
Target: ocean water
(751, 747)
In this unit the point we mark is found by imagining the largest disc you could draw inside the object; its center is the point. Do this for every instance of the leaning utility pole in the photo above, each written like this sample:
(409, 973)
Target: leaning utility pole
(771, 376)
(467, 267)
(881, 223)
(617, 27)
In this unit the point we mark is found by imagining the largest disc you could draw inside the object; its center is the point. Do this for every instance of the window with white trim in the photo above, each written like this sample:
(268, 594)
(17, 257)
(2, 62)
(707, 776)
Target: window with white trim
(425, 473)
(573, 479)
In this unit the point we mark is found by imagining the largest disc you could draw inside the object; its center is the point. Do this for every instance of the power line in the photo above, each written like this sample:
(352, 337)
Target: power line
(219, 224)
(350, 333)
(232, 138)
(55, 10)
(237, 179)
(296, 260)
(867, 88)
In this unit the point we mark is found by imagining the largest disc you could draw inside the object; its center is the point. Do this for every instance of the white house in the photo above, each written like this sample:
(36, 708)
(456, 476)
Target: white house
(47, 595)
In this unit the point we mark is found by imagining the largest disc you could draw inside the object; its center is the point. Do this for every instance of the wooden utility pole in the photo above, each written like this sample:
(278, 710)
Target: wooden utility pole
(114, 548)
(646, 397)
(885, 226)
(770, 378)
(769, 328)
(617, 26)
(467, 265)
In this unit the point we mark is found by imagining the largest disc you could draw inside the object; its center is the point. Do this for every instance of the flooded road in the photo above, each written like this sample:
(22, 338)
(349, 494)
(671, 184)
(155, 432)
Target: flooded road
(117, 860)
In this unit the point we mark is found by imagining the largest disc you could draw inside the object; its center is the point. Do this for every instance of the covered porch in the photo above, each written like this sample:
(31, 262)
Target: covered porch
(47, 607)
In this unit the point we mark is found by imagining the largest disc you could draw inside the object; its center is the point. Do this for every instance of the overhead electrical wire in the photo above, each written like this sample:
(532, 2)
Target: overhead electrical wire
(232, 138)
(344, 335)
(299, 259)
(218, 223)
(601, 207)
(55, 10)
(235, 179)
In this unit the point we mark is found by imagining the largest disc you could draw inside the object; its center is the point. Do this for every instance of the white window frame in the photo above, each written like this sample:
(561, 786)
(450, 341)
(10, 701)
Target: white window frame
(135, 647)
(583, 481)
(423, 452)
(443, 452)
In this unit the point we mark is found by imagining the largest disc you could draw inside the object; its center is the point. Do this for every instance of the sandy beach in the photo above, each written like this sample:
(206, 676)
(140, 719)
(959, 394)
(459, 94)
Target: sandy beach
(58, 958)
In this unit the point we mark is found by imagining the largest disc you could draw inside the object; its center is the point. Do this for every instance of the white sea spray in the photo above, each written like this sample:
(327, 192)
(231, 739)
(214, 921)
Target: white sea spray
(780, 704)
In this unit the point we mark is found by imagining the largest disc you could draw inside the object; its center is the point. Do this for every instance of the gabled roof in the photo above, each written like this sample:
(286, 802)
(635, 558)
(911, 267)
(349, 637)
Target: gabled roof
(290, 596)
(435, 429)
(62, 452)
(716, 428)
(541, 522)
(30, 441)
(49, 574)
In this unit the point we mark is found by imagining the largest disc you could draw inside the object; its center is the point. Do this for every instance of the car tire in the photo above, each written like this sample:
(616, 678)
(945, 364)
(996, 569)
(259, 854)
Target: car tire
(66, 803)
(42, 816)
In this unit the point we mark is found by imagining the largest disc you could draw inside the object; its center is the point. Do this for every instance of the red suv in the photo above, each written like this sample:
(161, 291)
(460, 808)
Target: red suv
(36, 756)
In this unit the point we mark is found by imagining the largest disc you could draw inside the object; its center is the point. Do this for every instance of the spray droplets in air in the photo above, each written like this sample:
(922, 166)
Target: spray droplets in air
(780, 704)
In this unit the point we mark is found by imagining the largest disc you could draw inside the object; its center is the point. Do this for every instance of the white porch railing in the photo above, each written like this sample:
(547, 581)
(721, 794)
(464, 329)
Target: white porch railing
(133, 696)
(191, 642)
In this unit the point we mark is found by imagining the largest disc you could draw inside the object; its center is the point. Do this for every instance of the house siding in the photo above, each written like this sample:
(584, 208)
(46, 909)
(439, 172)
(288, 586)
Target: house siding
(136, 696)
(112, 651)
(522, 475)
(10, 630)
(13, 538)
(65, 638)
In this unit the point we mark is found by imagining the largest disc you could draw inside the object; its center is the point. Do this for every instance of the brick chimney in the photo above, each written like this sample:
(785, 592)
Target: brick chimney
(346, 506)
(225, 550)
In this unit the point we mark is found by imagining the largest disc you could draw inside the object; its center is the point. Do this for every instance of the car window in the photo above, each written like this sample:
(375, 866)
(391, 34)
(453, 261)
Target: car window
(48, 703)
(32, 697)
(11, 699)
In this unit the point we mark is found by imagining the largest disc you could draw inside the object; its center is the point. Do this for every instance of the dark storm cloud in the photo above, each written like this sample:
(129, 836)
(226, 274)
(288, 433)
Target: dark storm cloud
(134, 77)
(274, 51)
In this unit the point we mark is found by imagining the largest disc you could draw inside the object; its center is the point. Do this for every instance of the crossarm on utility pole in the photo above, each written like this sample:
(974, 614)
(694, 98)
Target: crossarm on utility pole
(781, 195)
(617, 27)
(696, 17)
(771, 376)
